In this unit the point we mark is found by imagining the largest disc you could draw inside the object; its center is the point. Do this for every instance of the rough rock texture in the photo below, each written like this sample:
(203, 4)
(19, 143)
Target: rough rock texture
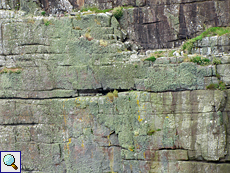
(54, 74)
(151, 24)
(95, 134)
(71, 54)
(212, 45)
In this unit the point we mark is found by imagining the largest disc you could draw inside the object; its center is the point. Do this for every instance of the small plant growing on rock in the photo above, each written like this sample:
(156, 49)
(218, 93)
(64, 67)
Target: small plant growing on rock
(77, 28)
(171, 53)
(152, 58)
(200, 60)
(151, 132)
(216, 61)
(88, 36)
(159, 53)
(212, 86)
(78, 17)
(11, 70)
(218, 76)
(103, 43)
(43, 13)
(46, 22)
(222, 85)
(110, 96)
(118, 12)
(115, 93)
(31, 21)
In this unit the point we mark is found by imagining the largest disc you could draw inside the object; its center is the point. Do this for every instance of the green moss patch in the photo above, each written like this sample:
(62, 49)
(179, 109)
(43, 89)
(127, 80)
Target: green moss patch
(200, 60)
(152, 58)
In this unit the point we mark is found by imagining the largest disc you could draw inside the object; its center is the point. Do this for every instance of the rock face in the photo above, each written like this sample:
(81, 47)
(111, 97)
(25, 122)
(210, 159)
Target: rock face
(151, 24)
(55, 72)
(135, 132)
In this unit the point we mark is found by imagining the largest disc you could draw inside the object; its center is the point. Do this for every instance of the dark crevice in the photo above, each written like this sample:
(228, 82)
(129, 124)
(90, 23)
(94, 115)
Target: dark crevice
(32, 44)
(20, 124)
(99, 91)
(150, 23)
(206, 161)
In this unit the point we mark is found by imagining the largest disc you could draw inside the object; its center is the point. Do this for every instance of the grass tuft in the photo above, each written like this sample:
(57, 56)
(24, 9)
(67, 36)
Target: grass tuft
(222, 85)
(216, 61)
(94, 9)
(111, 95)
(88, 36)
(218, 76)
(118, 12)
(151, 132)
(200, 60)
(115, 93)
(103, 43)
(171, 53)
(17, 70)
(43, 13)
(152, 58)
(212, 86)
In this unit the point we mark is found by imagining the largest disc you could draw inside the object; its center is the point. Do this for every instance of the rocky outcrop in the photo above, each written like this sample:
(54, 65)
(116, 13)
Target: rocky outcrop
(135, 132)
(55, 72)
(60, 57)
(151, 24)
(212, 45)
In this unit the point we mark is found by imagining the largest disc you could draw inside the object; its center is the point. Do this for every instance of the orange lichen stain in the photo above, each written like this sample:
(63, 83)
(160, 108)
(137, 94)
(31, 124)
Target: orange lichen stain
(139, 118)
(91, 154)
(130, 149)
(111, 156)
(138, 103)
(82, 144)
(143, 106)
(64, 113)
(109, 140)
(68, 144)
(144, 155)
(167, 117)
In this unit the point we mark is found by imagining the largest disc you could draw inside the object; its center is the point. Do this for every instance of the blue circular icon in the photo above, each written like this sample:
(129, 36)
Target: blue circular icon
(8, 159)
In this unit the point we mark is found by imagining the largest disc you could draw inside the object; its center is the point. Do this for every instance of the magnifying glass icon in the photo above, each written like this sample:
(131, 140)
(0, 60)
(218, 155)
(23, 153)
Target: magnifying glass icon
(9, 160)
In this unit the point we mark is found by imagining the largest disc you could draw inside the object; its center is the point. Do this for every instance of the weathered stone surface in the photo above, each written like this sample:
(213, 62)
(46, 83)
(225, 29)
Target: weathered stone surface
(55, 71)
(70, 54)
(97, 131)
(215, 45)
(152, 24)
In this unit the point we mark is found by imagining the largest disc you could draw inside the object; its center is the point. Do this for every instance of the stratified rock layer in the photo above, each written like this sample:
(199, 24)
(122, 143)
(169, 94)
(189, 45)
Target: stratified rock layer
(169, 123)
(134, 132)
(151, 24)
